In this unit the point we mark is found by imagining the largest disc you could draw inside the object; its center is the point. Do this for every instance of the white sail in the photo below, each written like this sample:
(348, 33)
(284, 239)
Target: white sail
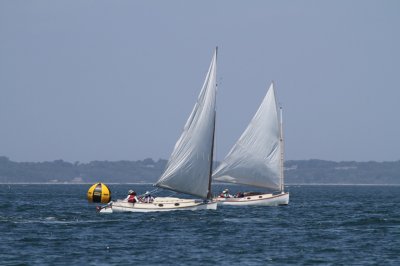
(189, 167)
(255, 159)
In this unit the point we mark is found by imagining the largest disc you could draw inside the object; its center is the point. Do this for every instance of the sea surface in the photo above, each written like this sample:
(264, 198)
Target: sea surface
(322, 225)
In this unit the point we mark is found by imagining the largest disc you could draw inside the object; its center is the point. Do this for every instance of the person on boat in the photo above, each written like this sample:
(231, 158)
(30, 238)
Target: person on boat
(239, 195)
(132, 197)
(225, 194)
(148, 198)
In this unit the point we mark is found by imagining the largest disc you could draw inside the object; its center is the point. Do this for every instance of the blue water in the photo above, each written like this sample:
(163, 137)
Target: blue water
(322, 225)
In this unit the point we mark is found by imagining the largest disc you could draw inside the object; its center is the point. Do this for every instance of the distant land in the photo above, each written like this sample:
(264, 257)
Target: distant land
(148, 171)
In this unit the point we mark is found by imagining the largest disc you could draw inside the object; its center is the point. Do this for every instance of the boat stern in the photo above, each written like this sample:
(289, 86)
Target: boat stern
(212, 205)
(104, 209)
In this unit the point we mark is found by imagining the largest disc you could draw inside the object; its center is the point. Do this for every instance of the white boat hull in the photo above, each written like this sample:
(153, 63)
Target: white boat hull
(260, 200)
(160, 204)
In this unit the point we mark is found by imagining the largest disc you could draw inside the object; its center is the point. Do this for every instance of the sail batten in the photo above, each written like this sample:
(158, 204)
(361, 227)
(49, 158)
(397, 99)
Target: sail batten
(255, 158)
(188, 168)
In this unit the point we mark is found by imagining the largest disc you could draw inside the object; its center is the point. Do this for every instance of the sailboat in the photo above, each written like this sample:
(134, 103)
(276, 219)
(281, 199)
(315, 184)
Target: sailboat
(256, 159)
(189, 167)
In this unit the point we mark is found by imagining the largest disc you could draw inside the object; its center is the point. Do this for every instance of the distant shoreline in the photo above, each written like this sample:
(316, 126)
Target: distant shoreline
(107, 183)
(147, 171)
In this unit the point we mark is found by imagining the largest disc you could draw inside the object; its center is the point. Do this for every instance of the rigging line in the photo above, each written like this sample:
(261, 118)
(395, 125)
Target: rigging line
(154, 192)
(172, 193)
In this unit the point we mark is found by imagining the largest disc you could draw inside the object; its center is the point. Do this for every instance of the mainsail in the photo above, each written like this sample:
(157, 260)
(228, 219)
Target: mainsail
(189, 167)
(255, 159)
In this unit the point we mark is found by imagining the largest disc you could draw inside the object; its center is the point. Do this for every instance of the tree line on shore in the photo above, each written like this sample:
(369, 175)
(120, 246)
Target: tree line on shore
(148, 171)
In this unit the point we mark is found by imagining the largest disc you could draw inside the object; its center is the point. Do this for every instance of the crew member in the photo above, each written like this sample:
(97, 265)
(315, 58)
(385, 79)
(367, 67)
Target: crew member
(225, 194)
(132, 197)
(148, 198)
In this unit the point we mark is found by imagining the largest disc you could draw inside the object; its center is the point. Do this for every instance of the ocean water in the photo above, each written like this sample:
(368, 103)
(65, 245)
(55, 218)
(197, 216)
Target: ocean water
(322, 225)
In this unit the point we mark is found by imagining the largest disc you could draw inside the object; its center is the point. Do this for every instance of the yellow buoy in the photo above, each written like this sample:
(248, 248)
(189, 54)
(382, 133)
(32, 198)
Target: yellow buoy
(99, 192)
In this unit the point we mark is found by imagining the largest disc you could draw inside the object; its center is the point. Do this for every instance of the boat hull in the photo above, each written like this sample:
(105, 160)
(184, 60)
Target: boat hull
(260, 200)
(160, 204)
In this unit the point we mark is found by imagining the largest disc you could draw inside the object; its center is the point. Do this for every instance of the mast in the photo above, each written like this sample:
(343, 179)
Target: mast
(282, 147)
(209, 194)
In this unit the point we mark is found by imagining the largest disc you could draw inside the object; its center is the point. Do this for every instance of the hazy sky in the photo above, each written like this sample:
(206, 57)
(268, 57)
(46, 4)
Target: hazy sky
(116, 80)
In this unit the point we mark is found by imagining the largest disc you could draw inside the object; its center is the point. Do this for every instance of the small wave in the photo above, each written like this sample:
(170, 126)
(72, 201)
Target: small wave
(365, 221)
(245, 220)
(54, 220)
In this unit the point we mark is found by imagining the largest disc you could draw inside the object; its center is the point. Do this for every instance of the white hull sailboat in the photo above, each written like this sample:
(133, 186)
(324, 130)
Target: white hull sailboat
(160, 204)
(256, 159)
(268, 199)
(189, 167)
